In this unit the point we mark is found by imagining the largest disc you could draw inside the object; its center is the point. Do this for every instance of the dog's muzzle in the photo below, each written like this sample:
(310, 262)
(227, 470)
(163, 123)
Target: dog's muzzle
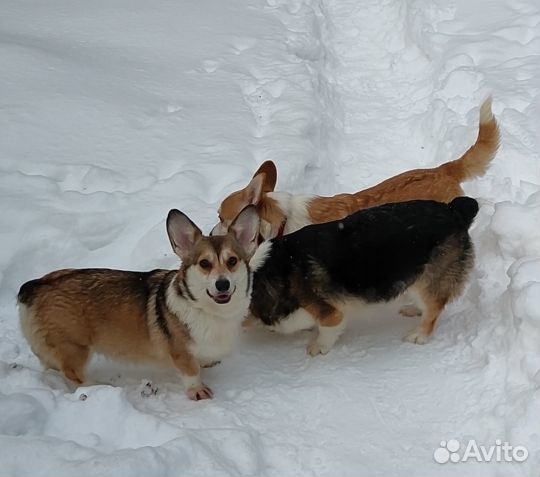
(222, 292)
(221, 298)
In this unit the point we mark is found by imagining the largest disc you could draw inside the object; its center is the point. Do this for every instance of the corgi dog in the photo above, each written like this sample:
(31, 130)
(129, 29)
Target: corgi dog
(283, 213)
(305, 279)
(187, 318)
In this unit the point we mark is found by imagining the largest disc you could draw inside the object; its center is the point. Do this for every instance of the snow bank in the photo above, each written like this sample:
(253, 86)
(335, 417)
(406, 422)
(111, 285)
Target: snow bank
(115, 112)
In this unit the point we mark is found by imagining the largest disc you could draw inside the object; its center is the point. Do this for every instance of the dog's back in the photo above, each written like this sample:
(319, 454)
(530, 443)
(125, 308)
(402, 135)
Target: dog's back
(373, 249)
(71, 309)
(373, 255)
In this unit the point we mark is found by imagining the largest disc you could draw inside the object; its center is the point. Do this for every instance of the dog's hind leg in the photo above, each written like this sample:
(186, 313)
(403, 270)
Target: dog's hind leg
(72, 358)
(55, 352)
(410, 310)
(443, 280)
(411, 306)
(432, 308)
(331, 323)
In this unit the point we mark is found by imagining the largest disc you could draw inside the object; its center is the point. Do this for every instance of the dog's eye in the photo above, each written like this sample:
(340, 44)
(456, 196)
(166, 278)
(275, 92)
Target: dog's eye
(232, 261)
(205, 264)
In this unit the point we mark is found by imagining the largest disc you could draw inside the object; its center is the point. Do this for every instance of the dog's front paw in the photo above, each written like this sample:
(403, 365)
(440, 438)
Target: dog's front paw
(199, 393)
(314, 348)
(410, 310)
(416, 337)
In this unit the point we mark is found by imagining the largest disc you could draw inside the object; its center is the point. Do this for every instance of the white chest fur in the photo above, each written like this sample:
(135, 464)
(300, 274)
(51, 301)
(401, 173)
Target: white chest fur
(214, 337)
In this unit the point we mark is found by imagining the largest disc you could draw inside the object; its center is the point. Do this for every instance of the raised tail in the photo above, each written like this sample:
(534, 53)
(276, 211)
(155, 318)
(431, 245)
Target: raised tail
(466, 208)
(475, 162)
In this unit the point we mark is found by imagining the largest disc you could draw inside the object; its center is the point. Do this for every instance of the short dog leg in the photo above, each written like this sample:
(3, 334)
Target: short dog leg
(410, 310)
(250, 322)
(413, 306)
(73, 359)
(331, 324)
(190, 372)
(432, 310)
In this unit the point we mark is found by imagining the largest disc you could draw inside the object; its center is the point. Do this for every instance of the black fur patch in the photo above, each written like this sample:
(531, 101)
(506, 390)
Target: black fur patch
(188, 291)
(27, 292)
(248, 271)
(161, 306)
(373, 254)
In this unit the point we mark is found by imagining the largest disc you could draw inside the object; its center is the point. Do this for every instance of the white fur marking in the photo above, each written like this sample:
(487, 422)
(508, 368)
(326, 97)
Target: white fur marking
(214, 328)
(295, 209)
(414, 305)
(297, 321)
(416, 336)
(410, 310)
(260, 255)
(191, 382)
(325, 340)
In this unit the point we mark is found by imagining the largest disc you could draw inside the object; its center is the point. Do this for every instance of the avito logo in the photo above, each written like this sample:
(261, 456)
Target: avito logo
(449, 451)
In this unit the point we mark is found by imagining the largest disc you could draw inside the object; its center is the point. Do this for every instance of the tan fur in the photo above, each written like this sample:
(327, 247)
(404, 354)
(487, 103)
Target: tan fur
(442, 281)
(69, 314)
(324, 313)
(442, 183)
(80, 311)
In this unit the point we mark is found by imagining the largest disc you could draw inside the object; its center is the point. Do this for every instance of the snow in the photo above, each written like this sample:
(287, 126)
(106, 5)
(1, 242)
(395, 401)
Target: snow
(113, 112)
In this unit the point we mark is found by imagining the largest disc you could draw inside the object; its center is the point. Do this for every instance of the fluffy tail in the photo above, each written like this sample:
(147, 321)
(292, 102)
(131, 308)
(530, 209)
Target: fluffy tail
(475, 162)
(466, 208)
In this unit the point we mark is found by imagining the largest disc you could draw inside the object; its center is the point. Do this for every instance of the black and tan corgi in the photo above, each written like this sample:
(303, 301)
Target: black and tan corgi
(305, 279)
(187, 318)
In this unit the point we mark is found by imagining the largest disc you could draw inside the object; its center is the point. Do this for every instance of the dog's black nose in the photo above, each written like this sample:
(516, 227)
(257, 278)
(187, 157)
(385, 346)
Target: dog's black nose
(222, 284)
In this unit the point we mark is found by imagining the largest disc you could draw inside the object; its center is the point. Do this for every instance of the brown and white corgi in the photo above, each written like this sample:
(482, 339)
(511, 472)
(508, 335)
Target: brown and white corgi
(283, 213)
(187, 318)
(307, 278)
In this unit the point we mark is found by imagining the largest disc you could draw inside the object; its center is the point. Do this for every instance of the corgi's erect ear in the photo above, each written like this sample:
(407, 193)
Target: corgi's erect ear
(264, 180)
(183, 233)
(268, 169)
(252, 194)
(246, 229)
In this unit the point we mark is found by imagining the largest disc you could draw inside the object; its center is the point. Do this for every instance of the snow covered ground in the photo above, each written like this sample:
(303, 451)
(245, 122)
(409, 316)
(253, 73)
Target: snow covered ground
(114, 111)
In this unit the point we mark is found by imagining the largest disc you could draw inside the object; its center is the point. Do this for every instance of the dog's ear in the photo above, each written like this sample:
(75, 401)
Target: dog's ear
(264, 180)
(252, 194)
(246, 229)
(183, 233)
(219, 229)
(269, 171)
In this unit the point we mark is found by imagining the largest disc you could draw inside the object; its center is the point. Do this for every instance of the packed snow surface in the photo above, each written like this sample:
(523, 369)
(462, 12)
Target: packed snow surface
(114, 111)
